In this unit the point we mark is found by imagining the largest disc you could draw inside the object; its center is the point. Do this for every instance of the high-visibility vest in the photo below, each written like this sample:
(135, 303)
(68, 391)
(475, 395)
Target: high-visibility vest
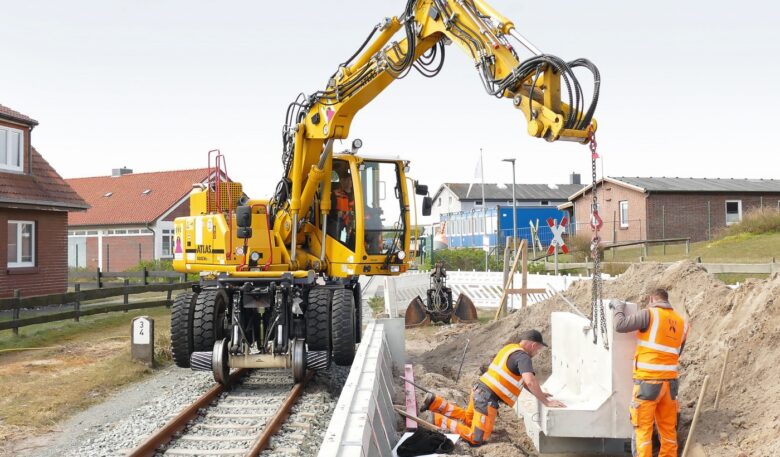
(344, 205)
(342, 201)
(658, 347)
(500, 379)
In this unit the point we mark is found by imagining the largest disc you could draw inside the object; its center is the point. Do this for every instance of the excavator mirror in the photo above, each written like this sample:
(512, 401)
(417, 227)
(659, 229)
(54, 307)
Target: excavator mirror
(244, 221)
(420, 189)
(427, 206)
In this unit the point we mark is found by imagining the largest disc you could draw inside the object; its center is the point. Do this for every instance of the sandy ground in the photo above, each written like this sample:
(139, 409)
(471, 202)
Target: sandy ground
(748, 319)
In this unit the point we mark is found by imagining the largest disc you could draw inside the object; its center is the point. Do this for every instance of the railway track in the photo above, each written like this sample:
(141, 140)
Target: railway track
(235, 421)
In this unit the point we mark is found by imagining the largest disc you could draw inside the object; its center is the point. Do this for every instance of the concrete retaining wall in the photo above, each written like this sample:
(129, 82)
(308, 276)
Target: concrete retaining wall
(363, 423)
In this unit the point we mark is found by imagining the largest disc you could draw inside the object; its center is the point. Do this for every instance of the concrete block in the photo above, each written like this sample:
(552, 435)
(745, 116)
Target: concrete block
(594, 382)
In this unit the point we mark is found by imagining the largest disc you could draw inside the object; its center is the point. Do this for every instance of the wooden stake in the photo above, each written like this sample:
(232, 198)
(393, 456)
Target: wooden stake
(695, 419)
(422, 422)
(722, 375)
(524, 252)
(502, 302)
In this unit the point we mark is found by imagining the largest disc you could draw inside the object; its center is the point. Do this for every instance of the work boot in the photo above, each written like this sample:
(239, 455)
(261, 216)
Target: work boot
(427, 402)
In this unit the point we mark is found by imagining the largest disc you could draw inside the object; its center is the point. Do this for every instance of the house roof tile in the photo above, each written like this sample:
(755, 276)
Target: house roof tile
(134, 198)
(13, 115)
(690, 185)
(44, 187)
(664, 184)
(523, 192)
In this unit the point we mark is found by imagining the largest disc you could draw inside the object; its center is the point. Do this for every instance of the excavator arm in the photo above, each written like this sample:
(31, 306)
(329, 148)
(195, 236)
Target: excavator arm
(533, 85)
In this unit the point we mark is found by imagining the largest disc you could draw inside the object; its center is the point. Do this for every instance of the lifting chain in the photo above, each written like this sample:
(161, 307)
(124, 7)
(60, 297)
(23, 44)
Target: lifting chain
(597, 304)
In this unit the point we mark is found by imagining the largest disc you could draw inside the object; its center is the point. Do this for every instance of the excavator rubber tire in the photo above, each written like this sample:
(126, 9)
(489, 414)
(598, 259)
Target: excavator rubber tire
(415, 315)
(207, 316)
(343, 327)
(181, 328)
(465, 311)
(318, 319)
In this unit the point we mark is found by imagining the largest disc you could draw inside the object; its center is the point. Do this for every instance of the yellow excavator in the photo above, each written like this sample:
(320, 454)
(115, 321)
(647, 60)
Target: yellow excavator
(279, 277)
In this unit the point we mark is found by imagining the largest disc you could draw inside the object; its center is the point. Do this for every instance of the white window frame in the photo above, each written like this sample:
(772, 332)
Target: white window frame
(739, 211)
(167, 233)
(7, 165)
(20, 264)
(623, 211)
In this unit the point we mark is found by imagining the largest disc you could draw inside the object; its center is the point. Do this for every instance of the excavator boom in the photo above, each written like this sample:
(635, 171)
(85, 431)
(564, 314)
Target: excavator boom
(281, 275)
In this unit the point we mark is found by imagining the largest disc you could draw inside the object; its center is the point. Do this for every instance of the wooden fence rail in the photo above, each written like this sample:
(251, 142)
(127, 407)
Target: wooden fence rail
(98, 276)
(730, 268)
(78, 298)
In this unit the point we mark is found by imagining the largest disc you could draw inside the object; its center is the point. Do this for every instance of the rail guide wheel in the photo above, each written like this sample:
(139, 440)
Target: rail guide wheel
(219, 361)
(298, 359)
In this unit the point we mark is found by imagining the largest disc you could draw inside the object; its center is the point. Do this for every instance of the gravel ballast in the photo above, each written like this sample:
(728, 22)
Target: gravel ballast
(125, 419)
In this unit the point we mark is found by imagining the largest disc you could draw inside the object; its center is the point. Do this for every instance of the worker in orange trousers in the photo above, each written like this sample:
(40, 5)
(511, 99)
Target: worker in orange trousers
(661, 335)
(508, 374)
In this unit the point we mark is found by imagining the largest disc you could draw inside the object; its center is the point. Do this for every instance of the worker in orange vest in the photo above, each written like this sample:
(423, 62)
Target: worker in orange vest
(661, 334)
(344, 205)
(508, 374)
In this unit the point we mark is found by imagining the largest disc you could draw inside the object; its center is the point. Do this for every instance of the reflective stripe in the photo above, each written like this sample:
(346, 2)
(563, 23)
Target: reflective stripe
(503, 389)
(453, 426)
(658, 347)
(654, 328)
(515, 382)
(656, 367)
(450, 408)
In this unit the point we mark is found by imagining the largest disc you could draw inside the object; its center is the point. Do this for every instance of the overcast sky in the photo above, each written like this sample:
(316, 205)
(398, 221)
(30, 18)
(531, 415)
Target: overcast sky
(689, 88)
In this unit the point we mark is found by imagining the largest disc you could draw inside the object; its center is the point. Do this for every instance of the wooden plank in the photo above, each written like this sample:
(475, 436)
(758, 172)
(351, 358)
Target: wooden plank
(123, 274)
(524, 283)
(738, 268)
(54, 317)
(502, 302)
(164, 274)
(86, 295)
(525, 291)
(411, 398)
(72, 277)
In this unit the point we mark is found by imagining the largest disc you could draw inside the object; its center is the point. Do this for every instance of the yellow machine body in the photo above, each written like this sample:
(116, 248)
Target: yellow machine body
(207, 242)
(293, 241)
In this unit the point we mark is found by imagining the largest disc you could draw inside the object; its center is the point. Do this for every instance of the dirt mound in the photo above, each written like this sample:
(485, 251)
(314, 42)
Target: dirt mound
(747, 318)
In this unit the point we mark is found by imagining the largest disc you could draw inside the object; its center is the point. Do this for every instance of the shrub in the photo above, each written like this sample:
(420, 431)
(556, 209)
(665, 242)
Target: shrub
(377, 304)
(755, 221)
(152, 265)
(467, 260)
(579, 247)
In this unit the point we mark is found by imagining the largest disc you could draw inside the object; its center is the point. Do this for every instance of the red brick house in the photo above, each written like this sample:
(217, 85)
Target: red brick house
(34, 206)
(655, 208)
(131, 217)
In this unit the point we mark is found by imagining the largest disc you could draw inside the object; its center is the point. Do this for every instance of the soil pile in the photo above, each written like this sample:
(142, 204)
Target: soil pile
(747, 318)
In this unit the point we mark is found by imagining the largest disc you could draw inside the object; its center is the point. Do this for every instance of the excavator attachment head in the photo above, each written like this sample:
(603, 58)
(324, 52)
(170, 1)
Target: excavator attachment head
(416, 314)
(465, 311)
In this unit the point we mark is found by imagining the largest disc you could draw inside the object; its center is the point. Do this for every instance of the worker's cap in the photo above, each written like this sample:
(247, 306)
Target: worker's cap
(533, 335)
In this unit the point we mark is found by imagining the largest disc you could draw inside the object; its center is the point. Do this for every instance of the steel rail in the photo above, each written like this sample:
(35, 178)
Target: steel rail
(164, 435)
(279, 418)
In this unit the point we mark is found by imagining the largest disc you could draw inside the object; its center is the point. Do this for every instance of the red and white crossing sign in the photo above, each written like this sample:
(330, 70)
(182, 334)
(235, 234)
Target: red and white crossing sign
(557, 231)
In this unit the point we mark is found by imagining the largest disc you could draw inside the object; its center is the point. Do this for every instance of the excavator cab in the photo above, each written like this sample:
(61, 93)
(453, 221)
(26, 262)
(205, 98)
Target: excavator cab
(368, 225)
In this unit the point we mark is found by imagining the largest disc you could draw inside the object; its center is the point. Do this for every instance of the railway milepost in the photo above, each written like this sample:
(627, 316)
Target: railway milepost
(142, 340)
